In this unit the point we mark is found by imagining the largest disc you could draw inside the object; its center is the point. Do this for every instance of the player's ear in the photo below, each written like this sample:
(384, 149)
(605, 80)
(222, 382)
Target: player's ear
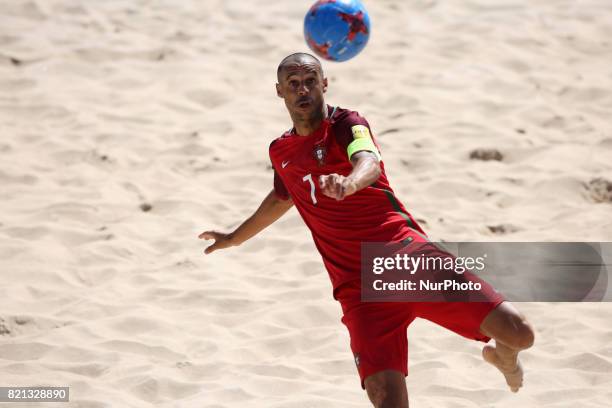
(324, 84)
(278, 91)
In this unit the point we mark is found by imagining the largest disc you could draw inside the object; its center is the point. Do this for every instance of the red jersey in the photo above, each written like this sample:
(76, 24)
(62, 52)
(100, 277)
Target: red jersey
(372, 214)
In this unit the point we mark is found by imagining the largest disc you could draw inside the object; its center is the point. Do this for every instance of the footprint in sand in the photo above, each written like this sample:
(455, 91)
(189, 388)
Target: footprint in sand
(502, 229)
(600, 190)
(486, 155)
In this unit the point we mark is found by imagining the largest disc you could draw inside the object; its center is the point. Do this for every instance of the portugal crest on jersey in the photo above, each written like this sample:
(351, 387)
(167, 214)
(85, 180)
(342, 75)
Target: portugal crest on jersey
(319, 153)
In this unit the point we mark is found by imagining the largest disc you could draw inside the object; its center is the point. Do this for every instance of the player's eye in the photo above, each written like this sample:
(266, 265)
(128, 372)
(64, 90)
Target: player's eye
(293, 83)
(310, 81)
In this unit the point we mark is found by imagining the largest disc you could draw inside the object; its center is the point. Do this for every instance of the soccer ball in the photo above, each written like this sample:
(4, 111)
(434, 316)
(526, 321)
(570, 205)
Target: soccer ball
(337, 30)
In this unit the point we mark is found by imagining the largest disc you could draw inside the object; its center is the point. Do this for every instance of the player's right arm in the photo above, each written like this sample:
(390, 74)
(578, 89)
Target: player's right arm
(270, 210)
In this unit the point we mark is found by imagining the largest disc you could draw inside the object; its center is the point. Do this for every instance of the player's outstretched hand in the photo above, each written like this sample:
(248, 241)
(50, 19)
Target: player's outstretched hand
(337, 186)
(222, 240)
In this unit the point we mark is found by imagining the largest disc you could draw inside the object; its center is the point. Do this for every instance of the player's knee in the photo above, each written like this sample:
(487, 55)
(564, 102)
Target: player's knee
(524, 335)
(528, 336)
(510, 327)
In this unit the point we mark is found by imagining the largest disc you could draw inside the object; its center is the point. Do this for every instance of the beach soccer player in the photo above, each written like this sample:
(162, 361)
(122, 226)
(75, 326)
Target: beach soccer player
(329, 167)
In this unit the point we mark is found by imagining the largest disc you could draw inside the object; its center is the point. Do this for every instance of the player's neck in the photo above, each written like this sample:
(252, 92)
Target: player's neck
(306, 125)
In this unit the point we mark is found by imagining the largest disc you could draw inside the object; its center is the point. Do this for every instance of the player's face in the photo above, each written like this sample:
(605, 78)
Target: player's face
(302, 87)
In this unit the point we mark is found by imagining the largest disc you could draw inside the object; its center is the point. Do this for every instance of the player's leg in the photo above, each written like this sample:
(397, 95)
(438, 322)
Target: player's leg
(486, 317)
(483, 321)
(387, 389)
(379, 344)
(512, 333)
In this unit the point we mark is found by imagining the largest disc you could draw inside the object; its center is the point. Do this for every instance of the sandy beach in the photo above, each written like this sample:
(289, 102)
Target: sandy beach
(129, 127)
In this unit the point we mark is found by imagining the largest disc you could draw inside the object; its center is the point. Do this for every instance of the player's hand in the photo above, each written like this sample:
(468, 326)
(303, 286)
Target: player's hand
(222, 240)
(337, 186)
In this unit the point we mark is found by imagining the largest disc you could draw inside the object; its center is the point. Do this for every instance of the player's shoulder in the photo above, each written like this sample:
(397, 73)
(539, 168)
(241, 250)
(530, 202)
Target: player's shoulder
(282, 138)
(342, 118)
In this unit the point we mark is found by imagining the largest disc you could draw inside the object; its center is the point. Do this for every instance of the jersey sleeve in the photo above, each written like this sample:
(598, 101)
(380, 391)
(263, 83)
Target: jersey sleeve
(353, 134)
(279, 187)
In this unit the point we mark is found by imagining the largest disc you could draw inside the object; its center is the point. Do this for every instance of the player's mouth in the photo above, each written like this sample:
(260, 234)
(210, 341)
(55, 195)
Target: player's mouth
(304, 103)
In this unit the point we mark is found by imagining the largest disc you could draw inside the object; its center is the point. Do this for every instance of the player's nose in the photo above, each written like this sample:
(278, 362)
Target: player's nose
(303, 89)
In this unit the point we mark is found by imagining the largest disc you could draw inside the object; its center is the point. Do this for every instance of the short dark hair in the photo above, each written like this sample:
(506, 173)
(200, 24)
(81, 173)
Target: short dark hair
(296, 56)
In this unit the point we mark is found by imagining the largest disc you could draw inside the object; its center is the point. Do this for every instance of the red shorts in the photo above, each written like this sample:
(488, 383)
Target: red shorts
(378, 329)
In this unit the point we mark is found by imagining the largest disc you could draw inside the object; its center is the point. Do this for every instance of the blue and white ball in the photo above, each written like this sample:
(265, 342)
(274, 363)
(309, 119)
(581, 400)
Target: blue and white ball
(337, 30)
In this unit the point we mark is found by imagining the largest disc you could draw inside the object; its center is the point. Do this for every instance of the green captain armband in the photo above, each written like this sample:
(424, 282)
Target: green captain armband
(363, 141)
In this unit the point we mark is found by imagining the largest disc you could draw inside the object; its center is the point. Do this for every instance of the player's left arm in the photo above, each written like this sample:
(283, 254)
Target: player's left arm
(366, 170)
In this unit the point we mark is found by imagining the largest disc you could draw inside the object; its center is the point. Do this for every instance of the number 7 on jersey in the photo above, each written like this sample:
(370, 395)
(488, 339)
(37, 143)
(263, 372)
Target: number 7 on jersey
(308, 178)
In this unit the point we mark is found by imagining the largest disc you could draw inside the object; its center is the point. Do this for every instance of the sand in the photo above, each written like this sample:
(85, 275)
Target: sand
(129, 127)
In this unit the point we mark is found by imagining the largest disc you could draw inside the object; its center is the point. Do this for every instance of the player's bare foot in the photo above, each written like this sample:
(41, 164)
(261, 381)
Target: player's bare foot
(512, 370)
